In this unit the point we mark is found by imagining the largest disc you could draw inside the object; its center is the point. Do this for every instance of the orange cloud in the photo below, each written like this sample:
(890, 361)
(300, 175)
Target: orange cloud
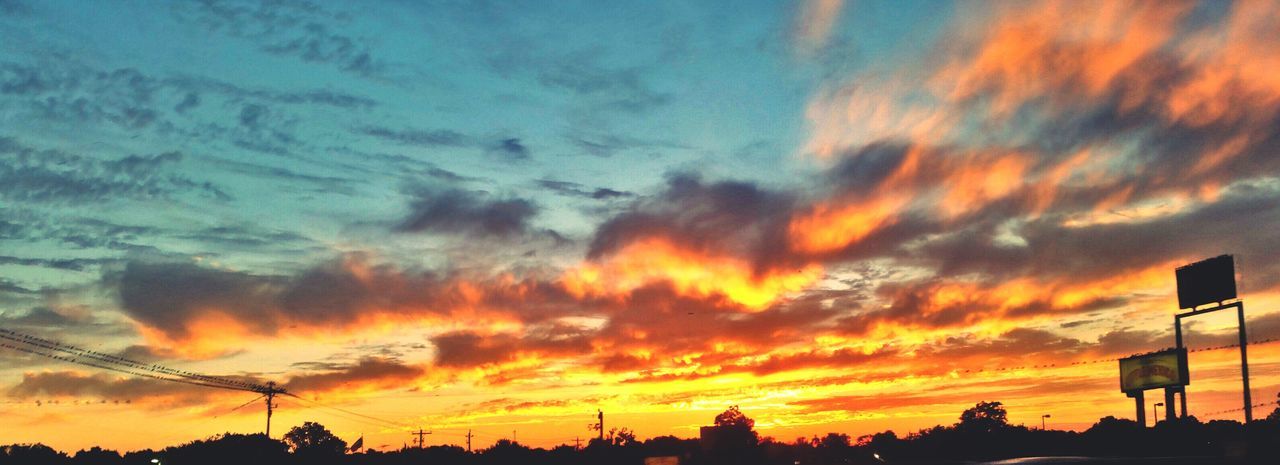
(1056, 50)
(656, 260)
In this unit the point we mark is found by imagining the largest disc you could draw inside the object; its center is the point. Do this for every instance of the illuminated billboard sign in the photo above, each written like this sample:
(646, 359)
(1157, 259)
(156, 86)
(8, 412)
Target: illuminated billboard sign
(1155, 370)
(1206, 281)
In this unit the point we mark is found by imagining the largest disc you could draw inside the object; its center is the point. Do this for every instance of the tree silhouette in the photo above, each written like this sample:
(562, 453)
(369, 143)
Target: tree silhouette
(732, 440)
(1275, 414)
(985, 416)
(734, 417)
(313, 439)
(22, 454)
(621, 437)
(982, 434)
(97, 456)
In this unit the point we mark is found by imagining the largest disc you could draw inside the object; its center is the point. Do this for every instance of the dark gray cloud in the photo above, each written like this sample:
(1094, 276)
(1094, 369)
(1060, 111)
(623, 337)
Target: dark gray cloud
(410, 168)
(458, 211)
(504, 147)
(299, 29)
(467, 349)
(335, 296)
(109, 243)
(1128, 341)
(166, 296)
(585, 74)
(9, 287)
(105, 386)
(419, 137)
(1055, 250)
(252, 115)
(376, 371)
(116, 90)
(912, 304)
(318, 183)
(186, 109)
(728, 217)
(69, 264)
(45, 317)
(28, 174)
(608, 145)
(511, 148)
(194, 86)
(574, 189)
(1009, 349)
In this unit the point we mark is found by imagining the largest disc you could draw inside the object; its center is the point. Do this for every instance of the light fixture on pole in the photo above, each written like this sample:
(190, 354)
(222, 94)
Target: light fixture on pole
(1042, 417)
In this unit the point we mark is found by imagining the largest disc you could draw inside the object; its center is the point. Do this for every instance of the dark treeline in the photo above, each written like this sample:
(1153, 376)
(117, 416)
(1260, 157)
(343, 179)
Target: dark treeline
(982, 434)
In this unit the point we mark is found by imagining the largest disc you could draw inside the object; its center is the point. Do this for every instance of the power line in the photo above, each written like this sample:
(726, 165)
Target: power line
(116, 369)
(1104, 360)
(68, 353)
(77, 355)
(358, 416)
(1237, 409)
(246, 404)
(120, 362)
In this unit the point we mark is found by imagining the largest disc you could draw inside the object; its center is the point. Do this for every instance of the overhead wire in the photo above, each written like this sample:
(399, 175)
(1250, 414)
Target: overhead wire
(1238, 409)
(118, 369)
(78, 352)
(367, 418)
(255, 399)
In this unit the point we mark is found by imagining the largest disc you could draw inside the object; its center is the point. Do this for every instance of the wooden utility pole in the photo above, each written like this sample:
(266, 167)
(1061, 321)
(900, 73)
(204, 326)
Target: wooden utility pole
(469, 436)
(421, 437)
(270, 392)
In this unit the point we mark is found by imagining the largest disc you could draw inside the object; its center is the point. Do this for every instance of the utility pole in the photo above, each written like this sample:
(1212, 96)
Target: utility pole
(600, 424)
(270, 392)
(469, 436)
(421, 437)
(577, 443)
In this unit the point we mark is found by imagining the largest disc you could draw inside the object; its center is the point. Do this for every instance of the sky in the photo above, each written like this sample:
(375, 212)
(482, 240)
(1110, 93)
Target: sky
(844, 216)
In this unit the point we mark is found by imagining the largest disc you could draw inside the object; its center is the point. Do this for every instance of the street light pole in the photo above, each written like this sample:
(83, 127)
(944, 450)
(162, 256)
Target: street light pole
(1042, 417)
(1155, 418)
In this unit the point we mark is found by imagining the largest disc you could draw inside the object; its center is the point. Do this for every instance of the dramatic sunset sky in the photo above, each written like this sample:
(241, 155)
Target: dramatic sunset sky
(841, 216)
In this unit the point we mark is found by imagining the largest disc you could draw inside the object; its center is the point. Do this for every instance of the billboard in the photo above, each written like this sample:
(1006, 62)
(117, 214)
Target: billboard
(1206, 281)
(1154, 370)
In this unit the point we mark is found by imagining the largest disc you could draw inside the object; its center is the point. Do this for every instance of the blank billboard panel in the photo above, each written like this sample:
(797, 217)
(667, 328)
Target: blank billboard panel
(1206, 282)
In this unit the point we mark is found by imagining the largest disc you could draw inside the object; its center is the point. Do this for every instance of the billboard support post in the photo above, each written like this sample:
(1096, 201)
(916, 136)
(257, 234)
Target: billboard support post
(1142, 409)
(1213, 281)
(1244, 366)
(1244, 351)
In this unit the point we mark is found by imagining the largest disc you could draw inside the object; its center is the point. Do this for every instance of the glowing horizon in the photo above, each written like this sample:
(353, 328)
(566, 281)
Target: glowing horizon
(840, 216)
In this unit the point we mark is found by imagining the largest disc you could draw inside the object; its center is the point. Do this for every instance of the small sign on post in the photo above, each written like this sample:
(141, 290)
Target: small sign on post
(1166, 368)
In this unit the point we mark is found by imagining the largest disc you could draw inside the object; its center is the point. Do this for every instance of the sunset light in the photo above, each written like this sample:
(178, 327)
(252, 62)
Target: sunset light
(673, 232)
